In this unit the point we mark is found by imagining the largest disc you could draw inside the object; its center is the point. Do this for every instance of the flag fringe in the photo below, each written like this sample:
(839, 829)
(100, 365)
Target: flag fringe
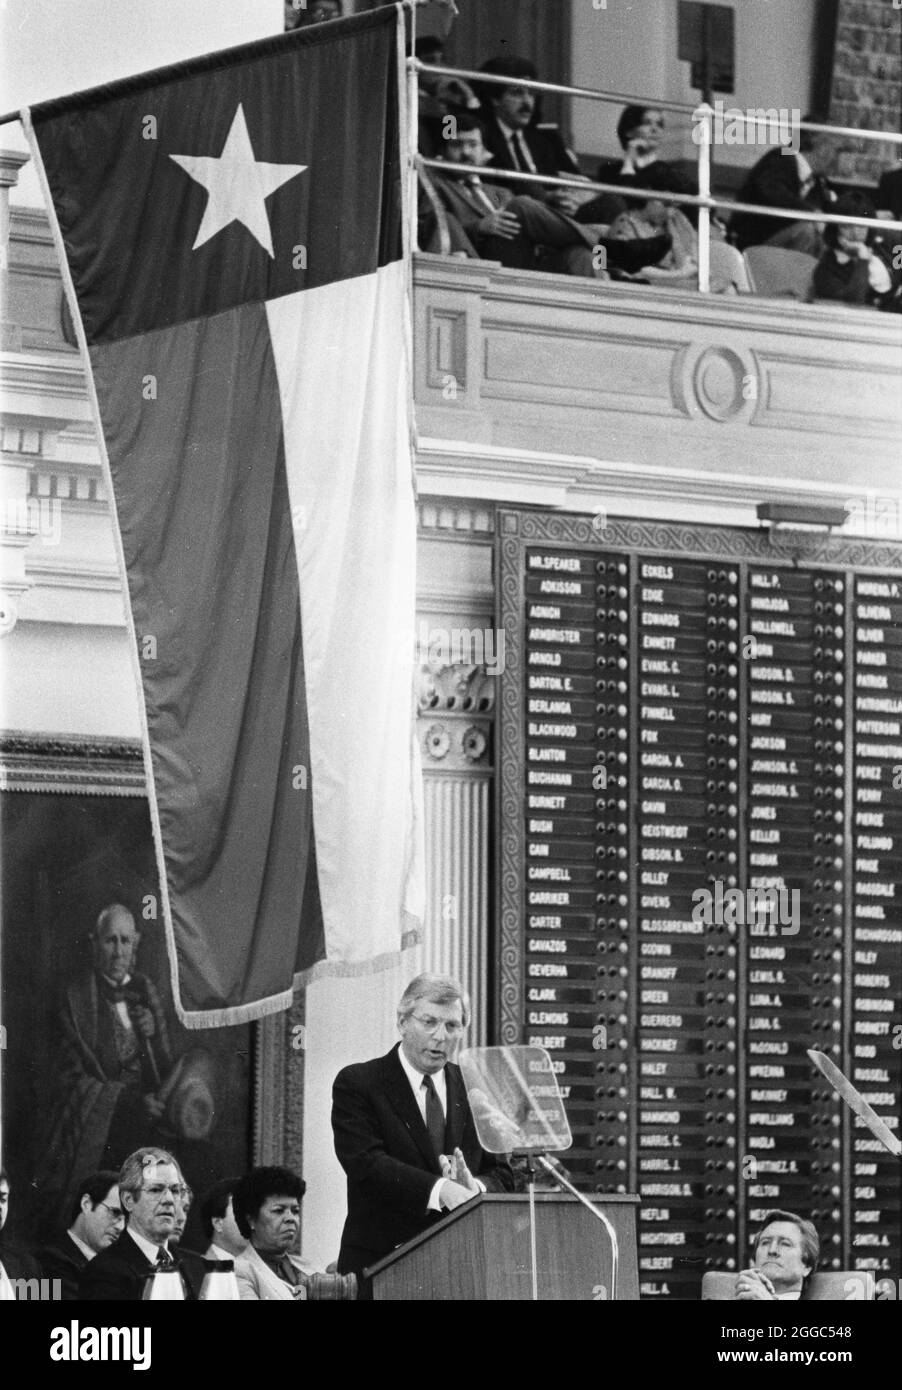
(280, 1003)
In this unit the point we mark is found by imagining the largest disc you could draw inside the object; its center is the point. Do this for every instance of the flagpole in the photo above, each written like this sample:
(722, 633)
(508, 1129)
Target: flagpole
(413, 115)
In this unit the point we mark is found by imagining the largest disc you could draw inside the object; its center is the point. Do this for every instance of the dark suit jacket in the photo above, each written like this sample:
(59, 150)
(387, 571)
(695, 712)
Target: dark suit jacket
(118, 1273)
(64, 1261)
(775, 182)
(383, 1145)
(549, 153)
(18, 1261)
(889, 191)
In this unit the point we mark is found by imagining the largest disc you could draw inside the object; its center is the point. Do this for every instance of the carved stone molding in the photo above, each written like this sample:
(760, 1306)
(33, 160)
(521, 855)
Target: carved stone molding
(279, 1088)
(455, 744)
(441, 516)
(460, 688)
(720, 383)
(78, 766)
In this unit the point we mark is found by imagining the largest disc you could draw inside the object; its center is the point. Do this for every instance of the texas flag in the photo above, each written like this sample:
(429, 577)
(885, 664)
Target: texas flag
(232, 238)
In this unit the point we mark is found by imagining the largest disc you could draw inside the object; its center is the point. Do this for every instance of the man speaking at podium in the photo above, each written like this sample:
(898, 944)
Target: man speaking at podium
(404, 1133)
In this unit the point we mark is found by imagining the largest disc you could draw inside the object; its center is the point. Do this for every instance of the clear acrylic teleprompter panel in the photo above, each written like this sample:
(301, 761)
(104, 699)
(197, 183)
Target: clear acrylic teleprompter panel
(515, 1100)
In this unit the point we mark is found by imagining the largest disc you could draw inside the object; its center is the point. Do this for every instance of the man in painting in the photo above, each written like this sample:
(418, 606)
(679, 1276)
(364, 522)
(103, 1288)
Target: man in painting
(113, 1058)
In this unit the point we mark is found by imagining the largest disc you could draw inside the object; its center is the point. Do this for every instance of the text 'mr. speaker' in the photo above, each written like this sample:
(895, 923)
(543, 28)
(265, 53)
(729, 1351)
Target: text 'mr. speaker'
(515, 1100)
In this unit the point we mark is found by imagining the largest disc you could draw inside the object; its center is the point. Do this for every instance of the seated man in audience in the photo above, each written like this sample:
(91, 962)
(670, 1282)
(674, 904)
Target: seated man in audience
(787, 1250)
(300, 13)
(150, 1186)
(502, 226)
(490, 221)
(97, 1221)
(516, 139)
(224, 1240)
(784, 179)
(439, 97)
(267, 1204)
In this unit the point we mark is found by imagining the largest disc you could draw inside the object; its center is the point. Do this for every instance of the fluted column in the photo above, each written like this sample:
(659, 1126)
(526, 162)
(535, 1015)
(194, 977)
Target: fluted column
(456, 700)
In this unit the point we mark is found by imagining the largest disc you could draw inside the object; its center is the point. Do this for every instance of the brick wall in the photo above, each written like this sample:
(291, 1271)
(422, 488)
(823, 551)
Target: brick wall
(867, 80)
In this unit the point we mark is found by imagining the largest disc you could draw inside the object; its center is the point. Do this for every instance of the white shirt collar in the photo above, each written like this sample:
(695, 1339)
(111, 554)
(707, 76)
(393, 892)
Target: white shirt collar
(789, 1297)
(805, 170)
(147, 1247)
(85, 1249)
(416, 1082)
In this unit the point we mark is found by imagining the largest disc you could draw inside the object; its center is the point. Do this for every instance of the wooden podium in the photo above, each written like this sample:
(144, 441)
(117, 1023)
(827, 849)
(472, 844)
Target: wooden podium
(481, 1252)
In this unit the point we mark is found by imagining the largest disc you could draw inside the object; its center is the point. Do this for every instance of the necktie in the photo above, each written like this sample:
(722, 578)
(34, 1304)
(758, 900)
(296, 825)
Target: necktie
(435, 1116)
(165, 1262)
(516, 154)
(525, 161)
(479, 193)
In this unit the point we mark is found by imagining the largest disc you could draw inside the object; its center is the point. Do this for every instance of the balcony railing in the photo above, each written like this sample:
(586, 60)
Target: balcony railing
(703, 116)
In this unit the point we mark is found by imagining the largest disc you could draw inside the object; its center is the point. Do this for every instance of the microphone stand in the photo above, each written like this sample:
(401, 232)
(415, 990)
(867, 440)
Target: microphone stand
(598, 1214)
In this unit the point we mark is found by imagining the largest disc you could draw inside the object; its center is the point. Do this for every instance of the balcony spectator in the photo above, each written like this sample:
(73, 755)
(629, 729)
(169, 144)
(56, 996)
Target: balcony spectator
(854, 267)
(516, 138)
(889, 193)
(491, 221)
(796, 181)
(300, 13)
(439, 98)
(640, 131)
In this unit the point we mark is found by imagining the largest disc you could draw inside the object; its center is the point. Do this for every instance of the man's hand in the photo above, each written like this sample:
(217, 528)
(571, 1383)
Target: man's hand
(501, 223)
(143, 1021)
(154, 1106)
(451, 1194)
(752, 1285)
(568, 199)
(460, 1173)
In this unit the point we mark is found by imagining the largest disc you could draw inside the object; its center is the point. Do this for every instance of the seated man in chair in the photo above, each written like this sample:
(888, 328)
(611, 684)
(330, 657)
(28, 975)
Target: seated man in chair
(787, 1250)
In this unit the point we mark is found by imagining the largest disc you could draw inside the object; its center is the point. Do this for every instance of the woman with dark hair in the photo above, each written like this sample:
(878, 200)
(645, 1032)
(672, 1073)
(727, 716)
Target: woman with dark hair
(640, 131)
(853, 266)
(267, 1207)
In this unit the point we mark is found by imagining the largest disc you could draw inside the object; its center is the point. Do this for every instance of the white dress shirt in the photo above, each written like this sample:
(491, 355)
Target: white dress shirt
(147, 1247)
(521, 155)
(441, 1090)
(85, 1249)
(120, 1006)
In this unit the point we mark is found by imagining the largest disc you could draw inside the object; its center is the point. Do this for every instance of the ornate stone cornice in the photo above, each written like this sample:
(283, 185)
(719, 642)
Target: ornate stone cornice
(78, 766)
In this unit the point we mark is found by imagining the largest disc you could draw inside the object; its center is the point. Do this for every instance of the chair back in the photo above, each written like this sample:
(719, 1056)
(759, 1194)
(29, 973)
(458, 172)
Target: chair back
(775, 271)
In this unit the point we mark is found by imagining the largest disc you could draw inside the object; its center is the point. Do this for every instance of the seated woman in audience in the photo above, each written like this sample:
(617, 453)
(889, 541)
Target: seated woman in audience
(640, 131)
(853, 267)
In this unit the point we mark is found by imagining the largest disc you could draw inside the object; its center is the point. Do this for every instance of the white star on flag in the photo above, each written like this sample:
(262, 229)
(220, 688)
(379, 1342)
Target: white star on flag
(238, 185)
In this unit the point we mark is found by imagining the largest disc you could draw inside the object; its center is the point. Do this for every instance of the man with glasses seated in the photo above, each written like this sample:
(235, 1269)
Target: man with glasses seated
(97, 1221)
(151, 1187)
(404, 1133)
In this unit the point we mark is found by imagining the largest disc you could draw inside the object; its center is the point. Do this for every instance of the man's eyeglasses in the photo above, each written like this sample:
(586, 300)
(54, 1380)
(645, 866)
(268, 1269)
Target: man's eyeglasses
(432, 1025)
(115, 1212)
(159, 1189)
